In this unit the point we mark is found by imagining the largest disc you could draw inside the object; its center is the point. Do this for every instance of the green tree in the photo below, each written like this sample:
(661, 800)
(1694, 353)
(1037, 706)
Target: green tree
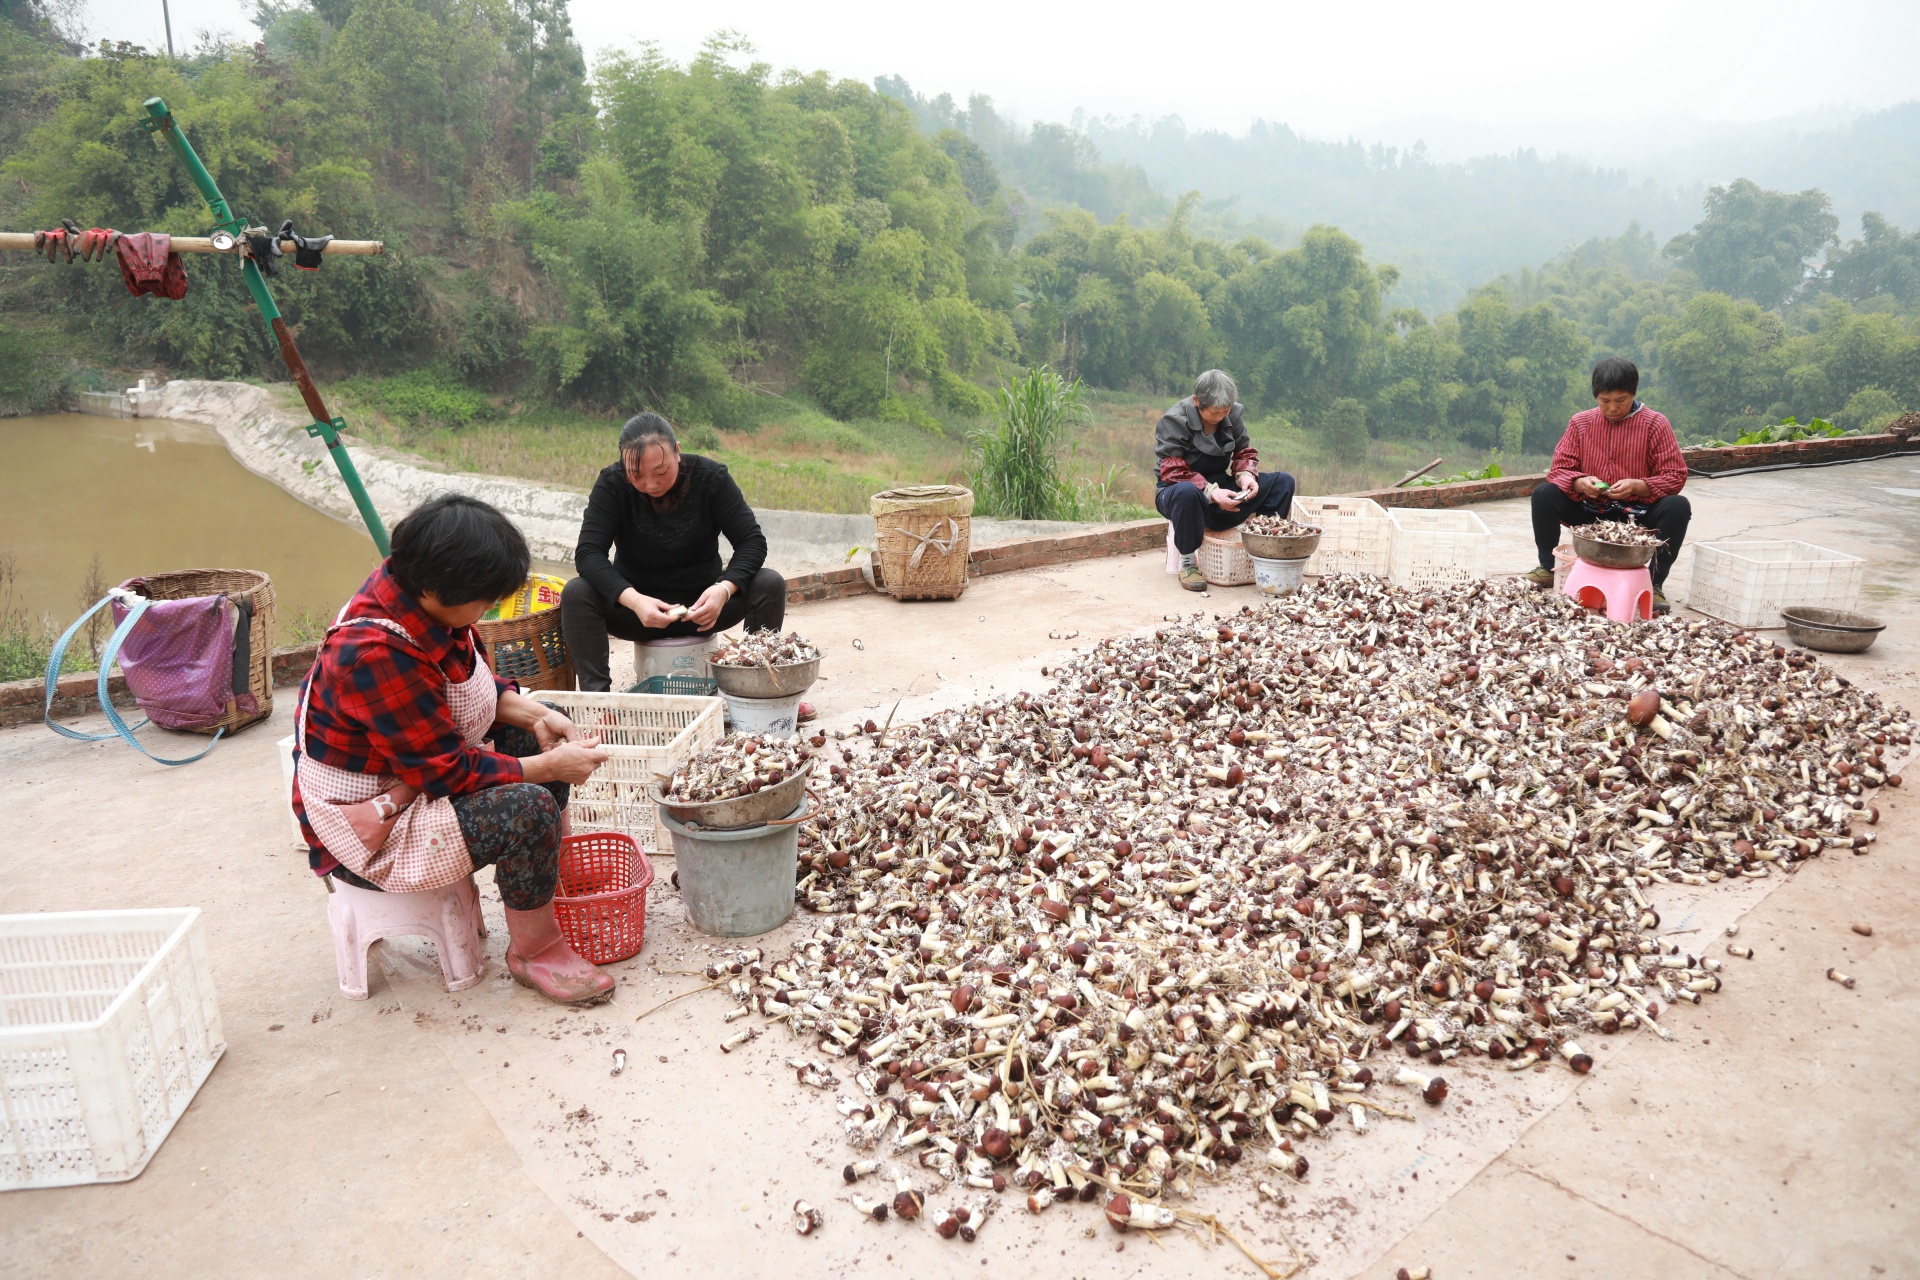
(1869, 409)
(1345, 429)
(1754, 243)
(1884, 263)
(1720, 361)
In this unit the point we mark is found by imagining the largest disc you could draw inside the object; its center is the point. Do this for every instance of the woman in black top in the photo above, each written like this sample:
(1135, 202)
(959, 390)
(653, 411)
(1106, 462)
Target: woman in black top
(662, 515)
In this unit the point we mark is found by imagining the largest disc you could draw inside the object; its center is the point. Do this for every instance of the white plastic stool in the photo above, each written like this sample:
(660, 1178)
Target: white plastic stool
(449, 916)
(286, 779)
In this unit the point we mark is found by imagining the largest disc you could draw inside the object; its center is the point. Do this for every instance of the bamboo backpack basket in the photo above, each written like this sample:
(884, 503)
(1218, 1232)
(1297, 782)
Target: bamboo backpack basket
(530, 649)
(240, 585)
(922, 533)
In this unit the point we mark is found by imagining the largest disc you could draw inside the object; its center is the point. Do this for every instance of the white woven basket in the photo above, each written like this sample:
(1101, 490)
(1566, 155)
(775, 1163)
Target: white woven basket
(1355, 535)
(1437, 546)
(1223, 559)
(1747, 583)
(108, 1027)
(646, 734)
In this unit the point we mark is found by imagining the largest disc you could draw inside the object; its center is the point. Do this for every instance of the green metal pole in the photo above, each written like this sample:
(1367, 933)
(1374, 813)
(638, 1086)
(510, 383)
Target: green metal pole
(324, 425)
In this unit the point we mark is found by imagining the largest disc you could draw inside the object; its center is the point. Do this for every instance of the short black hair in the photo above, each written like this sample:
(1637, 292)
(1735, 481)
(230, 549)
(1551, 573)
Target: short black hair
(458, 549)
(645, 430)
(1615, 373)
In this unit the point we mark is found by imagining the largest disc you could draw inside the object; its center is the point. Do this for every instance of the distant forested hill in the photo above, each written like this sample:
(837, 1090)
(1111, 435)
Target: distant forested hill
(1448, 227)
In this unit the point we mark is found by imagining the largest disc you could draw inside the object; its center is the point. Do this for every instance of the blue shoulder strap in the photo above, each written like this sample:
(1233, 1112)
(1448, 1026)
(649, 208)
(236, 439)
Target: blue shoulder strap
(107, 658)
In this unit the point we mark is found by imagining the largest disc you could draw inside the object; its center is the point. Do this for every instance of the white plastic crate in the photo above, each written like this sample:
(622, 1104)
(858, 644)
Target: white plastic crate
(1223, 559)
(646, 734)
(1437, 546)
(108, 1026)
(1355, 535)
(1746, 583)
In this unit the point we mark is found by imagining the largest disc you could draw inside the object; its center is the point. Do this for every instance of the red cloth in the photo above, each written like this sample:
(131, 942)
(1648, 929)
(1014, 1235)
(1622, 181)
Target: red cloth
(379, 705)
(1640, 446)
(149, 265)
(1175, 470)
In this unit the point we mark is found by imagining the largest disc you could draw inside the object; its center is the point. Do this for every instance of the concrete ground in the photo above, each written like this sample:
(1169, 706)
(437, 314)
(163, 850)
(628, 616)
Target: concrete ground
(418, 1133)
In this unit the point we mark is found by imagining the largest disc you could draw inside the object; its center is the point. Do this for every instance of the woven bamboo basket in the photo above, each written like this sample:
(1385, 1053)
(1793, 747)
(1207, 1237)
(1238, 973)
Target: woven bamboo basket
(530, 649)
(248, 585)
(922, 534)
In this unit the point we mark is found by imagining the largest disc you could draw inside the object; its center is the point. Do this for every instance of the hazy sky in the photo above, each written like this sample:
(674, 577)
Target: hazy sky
(1327, 69)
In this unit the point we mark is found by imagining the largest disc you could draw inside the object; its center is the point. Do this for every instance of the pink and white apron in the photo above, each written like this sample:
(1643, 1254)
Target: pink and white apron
(425, 849)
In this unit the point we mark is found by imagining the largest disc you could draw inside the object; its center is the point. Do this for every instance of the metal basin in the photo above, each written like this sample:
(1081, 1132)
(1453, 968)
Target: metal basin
(1267, 547)
(1831, 630)
(740, 812)
(766, 682)
(1610, 555)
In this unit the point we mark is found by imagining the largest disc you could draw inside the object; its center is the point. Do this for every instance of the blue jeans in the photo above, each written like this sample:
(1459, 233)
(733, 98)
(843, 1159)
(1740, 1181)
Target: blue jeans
(1191, 515)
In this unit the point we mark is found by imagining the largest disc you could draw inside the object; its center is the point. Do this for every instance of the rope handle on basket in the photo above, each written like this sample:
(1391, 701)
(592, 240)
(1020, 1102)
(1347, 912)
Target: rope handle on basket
(945, 546)
(136, 606)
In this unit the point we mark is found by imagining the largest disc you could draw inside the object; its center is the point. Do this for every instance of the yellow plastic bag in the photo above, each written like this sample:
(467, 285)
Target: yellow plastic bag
(540, 593)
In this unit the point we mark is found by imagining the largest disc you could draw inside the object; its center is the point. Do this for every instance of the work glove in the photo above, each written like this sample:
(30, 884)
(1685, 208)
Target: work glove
(307, 249)
(264, 248)
(96, 243)
(56, 244)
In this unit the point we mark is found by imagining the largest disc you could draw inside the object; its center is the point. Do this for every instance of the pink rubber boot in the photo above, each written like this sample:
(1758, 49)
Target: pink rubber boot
(538, 956)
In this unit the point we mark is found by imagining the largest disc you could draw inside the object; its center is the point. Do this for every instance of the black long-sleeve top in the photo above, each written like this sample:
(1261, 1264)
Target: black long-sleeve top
(671, 554)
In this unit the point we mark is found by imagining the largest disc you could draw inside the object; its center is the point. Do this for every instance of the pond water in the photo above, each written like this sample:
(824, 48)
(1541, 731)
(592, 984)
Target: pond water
(147, 496)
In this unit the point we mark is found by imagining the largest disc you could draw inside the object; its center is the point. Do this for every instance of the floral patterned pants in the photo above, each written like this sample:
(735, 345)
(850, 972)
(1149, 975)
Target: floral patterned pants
(515, 829)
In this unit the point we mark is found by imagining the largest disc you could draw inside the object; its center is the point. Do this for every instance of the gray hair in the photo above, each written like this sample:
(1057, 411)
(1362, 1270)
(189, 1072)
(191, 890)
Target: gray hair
(645, 430)
(1215, 390)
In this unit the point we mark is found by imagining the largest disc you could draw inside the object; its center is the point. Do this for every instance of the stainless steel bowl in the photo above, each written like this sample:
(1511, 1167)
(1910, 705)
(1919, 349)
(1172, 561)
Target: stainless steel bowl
(1831, 630)
(1611, 555)
(766, 682)
(1268, 547)
(740, 812)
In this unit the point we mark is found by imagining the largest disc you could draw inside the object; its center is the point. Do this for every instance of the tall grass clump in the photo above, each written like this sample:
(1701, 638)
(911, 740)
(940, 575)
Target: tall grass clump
(1017, 461)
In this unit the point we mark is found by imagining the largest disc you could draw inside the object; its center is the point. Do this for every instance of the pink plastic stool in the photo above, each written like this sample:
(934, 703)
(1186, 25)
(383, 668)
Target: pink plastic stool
(1173, 552)
(1624, 593)
(449, 916)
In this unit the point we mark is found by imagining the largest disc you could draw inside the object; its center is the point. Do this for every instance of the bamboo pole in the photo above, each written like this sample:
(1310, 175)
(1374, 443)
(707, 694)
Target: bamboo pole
(202, 244)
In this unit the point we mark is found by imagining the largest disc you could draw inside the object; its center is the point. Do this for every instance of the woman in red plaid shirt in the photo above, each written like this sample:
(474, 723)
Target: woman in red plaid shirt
(416, 765)
(1617, 461)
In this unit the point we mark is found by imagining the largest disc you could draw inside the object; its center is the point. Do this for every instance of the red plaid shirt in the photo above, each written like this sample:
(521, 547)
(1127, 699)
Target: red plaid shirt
(375, 704)
(1638, 447)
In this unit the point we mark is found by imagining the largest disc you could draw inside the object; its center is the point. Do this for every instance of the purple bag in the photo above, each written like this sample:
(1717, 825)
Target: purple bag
(186, 662)
(179, 659)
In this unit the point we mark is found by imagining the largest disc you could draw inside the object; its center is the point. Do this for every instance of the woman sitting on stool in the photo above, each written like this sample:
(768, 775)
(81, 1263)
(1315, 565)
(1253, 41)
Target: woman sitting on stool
(1210, 475)
(663, 514)
(416, 765)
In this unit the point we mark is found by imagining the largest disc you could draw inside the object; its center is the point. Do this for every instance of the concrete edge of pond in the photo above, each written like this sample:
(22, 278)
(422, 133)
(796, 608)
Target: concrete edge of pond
(272, 442)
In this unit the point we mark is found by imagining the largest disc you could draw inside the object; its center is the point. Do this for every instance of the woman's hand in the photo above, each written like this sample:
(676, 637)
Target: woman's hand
(570, 762)
(652, 613)
(554, 728)
(706, 610)
(1225, 499)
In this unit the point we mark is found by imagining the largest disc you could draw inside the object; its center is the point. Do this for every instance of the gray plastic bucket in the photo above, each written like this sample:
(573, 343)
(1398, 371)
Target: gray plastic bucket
(737, 883)
(1277, 577)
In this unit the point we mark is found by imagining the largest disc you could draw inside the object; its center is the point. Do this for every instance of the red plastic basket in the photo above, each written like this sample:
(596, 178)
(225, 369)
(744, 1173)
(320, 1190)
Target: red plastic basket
(601, 904)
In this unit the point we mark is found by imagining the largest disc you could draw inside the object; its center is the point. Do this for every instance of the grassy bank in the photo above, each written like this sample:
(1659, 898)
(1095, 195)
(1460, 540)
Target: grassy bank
(798, 458)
